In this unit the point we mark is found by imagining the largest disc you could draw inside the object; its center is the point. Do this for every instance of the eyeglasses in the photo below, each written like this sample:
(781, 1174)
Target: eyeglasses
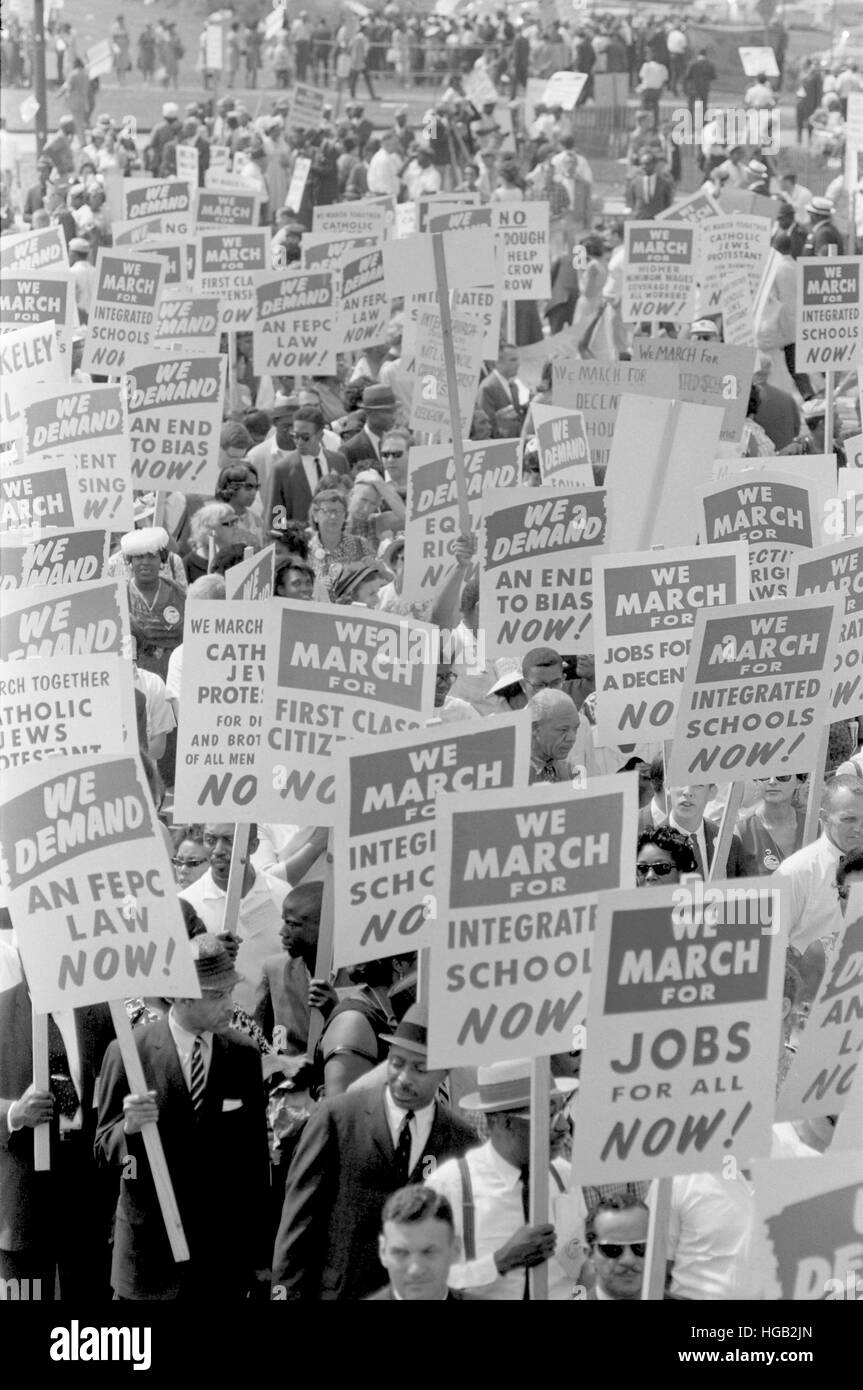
(188, 863)
(329, 511)
(612, 1251)
(661, 870)
(392, 453)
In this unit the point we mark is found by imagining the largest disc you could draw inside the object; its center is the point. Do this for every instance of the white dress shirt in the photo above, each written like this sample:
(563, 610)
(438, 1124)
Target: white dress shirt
(311, 464)
(498, 1214)
(421, 1126)
(184, 1041)
(383, 174)
(258, 926)
(815, 905)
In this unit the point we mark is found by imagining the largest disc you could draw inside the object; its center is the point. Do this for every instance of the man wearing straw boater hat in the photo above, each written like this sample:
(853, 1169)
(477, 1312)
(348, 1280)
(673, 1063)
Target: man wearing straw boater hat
(488, 1191)
(355, 1150)
(205, 1090)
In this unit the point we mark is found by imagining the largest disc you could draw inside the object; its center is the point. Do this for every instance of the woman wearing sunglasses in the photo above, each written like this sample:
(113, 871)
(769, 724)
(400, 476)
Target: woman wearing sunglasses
(331, 545)
(238, 486)
(190, 858)
(211, 530)
(662, 856)
(772, 829)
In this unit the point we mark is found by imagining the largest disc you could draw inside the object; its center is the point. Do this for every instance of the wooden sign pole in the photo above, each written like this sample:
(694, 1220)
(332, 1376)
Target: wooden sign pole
(150, 1134)
(324, 957)
(726, 830)
(42, 1082)
(451, 382)
(816, 788)
(540, 1143)
(236, 874)
(653, 1281)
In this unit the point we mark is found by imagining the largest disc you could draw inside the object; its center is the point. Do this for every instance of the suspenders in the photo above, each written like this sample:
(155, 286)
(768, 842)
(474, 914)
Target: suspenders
(468, 1209)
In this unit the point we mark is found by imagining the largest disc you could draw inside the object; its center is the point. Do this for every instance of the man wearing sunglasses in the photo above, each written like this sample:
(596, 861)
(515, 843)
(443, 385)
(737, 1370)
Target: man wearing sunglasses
(296, 476)
(617, 1236)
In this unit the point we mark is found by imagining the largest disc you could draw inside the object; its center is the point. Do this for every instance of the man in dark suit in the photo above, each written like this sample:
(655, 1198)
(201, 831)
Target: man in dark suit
(499, 396)
(416, 1247)
(649, 192)
(295, 477)
(379, 407)
(58, 1219)
(206, 1093)
(686, 814)
(355, 1150)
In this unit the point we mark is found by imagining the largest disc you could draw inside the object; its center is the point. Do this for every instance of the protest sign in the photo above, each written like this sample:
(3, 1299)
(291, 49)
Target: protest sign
(479, 88)
(225, 181)
(184, 326)
(297, 186)
(53, 557)
(405, 220)
(758, 62)
(522, 239)
(644, 610)
(563, 89)
(822, 1069)
(694, 208)
(100, 59)
(67, 706)
(295, 324)
(227, 262)
(231, 208)
(829, 313)
(123, 312)
(30, 362)
(324, 252)
(775, 514)
(89, 885)
(815, 468)
(533, 358)
(728, 245)
(429, 205)
(175, 419)
(386, 825)
(756, 692)
(854, 142)
(170, 200)
(537, 586)
(837, 569)
(809, 1246)
(518, 873)
(682, 1018)
(38, 494)
(595, 388)
(430, 407)
(180, 259)
(252, 578)
(307, 107)
(364, 305)
(86, 426)
(482, 303)
(736, 306)
(297, 678)
(564, 453)
(43, 250)
(660, 451)
(409, 261)
(458, 219)
(707, 374)
(738, 200)
(187, 164)
(37, 297)
(351, 219)
(432, 519)
(659, 273)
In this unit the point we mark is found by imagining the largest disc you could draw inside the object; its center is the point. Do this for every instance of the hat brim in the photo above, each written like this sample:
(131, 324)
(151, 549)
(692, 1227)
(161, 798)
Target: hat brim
(563, 1086)
(504, 683)
(406, 1044)
(221, 982)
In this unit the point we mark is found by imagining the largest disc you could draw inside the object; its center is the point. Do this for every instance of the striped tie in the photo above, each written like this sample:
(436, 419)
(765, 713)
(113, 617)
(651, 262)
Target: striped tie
(199, 1080)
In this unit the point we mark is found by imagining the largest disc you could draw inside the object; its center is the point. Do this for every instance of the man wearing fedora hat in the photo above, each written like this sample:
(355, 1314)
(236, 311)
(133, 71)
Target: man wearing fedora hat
(379, 404)
(823, 230)
(355, 1150)
(205, 1090)
(488, 1191)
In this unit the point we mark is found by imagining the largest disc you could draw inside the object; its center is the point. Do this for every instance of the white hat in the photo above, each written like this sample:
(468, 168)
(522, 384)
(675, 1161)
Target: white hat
(170, 110)
(506, 1086)
(704, 326)
(821, 207)
(508, 671)
(148, 541)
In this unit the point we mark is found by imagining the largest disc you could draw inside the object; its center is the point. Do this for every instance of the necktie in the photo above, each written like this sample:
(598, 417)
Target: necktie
(60, 1083)
(525, 1206)
(403, 1149)
(318, 470)
(513, 391)
(199, 1080)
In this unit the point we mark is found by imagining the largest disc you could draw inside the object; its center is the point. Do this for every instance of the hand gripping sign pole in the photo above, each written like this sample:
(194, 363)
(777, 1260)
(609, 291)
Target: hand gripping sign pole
(150, 1133)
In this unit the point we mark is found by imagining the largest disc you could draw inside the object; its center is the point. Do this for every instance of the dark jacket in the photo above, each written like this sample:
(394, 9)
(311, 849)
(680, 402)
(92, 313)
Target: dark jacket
(736, 864)
(288, 496)
(341, 1175)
